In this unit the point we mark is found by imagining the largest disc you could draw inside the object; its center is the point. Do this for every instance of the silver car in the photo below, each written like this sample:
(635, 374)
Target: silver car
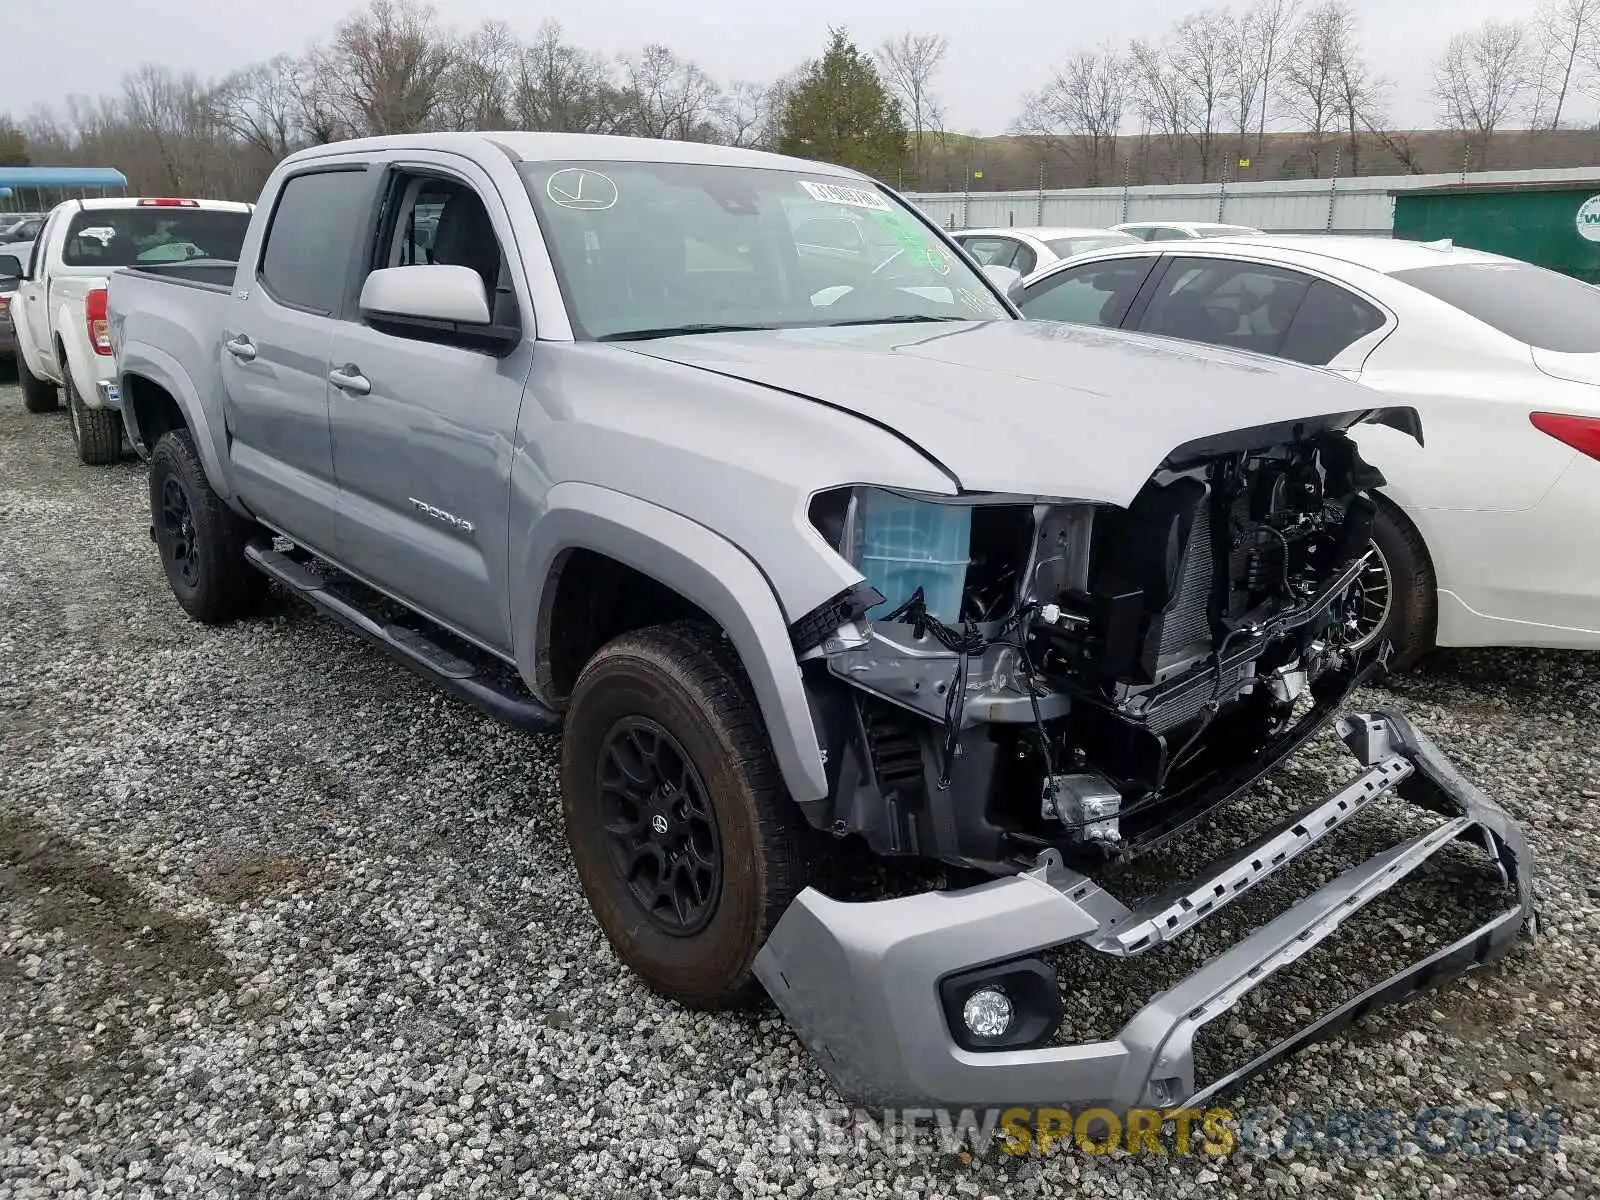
(741, 473)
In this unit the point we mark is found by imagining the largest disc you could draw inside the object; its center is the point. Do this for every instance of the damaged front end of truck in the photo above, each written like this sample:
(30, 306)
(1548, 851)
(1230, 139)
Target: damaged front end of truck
(1047, 691)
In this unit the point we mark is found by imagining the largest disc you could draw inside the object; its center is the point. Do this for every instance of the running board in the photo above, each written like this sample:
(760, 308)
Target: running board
(500, 699)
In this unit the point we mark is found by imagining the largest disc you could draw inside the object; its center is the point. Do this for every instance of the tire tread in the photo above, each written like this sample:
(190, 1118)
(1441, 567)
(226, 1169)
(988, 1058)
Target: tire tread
(699, 659)
(231, 587)
(1415, 590)
(99, 429)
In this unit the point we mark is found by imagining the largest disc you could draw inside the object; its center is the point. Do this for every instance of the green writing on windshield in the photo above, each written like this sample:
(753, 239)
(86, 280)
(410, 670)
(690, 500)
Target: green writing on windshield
(913, 240)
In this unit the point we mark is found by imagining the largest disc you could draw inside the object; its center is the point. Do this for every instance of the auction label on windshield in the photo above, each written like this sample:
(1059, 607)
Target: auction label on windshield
(833, 193)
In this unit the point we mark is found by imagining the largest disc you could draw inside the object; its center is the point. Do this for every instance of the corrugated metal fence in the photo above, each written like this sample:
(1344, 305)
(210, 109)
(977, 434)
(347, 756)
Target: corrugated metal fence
(1360, 204)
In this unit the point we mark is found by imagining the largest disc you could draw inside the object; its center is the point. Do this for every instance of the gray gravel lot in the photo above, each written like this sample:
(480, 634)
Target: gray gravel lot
(277, 919)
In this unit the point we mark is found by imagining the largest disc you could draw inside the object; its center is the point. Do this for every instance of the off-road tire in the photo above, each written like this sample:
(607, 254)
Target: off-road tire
(685, 678)
(1414, 612)
(38, 395)
(225, 586)
(96, 432)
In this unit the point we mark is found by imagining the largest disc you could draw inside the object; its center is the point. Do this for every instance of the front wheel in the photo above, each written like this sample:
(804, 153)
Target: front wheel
(200, 538)
(686, 843)
(1396, 595)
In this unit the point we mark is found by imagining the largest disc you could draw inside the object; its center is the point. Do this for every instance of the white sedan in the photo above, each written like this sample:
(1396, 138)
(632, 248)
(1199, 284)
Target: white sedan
(1029, 249)
(1488, 536)
(1181, 231)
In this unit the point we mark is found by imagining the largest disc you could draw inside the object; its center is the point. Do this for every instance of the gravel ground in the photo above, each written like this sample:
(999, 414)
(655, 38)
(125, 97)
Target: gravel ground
(277, 919)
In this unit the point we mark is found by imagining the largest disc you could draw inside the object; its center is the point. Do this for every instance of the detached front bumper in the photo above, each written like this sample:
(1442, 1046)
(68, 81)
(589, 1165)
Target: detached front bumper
(874, 988)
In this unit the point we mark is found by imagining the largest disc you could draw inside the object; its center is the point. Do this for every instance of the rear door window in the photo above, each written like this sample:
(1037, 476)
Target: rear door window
(1097, 293)
(315, 226)
(1542, 308)
(1249, 306)
(1329, 321)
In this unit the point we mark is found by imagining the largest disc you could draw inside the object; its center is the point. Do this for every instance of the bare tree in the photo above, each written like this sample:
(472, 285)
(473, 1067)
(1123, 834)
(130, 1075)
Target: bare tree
(478, 85)
(1565, 54)
(668, 96)
(389, 64)
(319, 88)
(1481, 79)
(564, 88)
(1361, 93)
(1200, 51)
(175, 115)
(1268, 26)
(908, 65)
(1245, 71)
(261, 106)
(1079, 111)
(1162, 98)
(750, 114)
(1309, 87)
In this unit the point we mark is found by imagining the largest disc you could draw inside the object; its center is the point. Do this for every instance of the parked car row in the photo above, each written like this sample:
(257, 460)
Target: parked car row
(1027, 249)
(752, 481)
(20, 227)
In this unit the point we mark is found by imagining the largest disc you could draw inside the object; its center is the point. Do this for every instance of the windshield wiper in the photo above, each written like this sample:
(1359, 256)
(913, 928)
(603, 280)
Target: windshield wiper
(898, 319)
(639, 335)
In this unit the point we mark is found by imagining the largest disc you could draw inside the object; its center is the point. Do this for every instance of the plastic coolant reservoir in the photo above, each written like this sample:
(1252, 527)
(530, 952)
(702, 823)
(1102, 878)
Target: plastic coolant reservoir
(902, 545)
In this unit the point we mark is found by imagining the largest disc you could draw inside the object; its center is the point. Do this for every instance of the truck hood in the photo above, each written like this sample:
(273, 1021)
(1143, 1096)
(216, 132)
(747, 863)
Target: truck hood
(1036, 408)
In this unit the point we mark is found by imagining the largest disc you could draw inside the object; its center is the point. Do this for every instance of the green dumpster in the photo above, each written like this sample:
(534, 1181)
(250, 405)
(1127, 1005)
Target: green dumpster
(1555, 225)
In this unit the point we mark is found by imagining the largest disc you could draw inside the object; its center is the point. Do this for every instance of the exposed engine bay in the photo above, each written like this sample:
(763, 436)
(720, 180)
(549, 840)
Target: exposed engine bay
(1091, 679)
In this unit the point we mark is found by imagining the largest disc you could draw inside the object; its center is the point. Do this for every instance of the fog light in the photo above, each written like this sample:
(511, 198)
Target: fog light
(987, 1012)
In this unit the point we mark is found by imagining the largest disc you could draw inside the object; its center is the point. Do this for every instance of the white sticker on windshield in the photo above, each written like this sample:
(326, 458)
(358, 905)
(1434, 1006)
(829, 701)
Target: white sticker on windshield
(100, 233)
(834, 193)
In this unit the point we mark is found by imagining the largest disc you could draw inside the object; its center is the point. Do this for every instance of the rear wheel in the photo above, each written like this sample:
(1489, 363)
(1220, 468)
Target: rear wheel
(96, 432)
(38, 395)
(1396, 595)
(688, 847)
(200, 538)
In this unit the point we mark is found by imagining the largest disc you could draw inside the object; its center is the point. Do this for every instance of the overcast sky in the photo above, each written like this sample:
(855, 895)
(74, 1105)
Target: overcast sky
(84, 46)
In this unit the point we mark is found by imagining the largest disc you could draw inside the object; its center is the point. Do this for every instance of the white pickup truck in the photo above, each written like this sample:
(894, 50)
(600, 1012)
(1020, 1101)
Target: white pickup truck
(60, 308)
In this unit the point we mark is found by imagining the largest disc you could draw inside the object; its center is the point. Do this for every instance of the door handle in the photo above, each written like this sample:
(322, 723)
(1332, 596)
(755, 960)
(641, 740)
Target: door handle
(349, 378)
(241, 348)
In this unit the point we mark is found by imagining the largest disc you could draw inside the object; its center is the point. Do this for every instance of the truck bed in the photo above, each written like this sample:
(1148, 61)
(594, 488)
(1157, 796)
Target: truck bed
(211, 274)
(179, 307)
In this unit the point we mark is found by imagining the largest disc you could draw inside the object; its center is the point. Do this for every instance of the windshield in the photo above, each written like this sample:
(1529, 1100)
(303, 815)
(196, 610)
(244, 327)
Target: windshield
(1066, 247)
(126, 237)
(1544, 309)
(645, 249)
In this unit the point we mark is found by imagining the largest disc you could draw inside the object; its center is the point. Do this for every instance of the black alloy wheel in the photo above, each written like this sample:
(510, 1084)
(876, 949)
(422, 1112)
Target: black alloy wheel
(177, 522)
(662, 836)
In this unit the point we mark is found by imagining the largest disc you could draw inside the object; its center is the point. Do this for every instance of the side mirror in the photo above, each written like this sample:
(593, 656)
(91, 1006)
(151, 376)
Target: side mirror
(1004, 278)
(10, 267)
(433, 293)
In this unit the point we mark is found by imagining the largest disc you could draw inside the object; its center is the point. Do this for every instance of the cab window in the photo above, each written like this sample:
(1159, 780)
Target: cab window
(1097, 293)
(1249, 306)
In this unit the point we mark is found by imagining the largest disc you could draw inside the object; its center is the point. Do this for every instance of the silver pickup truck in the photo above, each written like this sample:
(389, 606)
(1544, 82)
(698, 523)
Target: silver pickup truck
(807, 540)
